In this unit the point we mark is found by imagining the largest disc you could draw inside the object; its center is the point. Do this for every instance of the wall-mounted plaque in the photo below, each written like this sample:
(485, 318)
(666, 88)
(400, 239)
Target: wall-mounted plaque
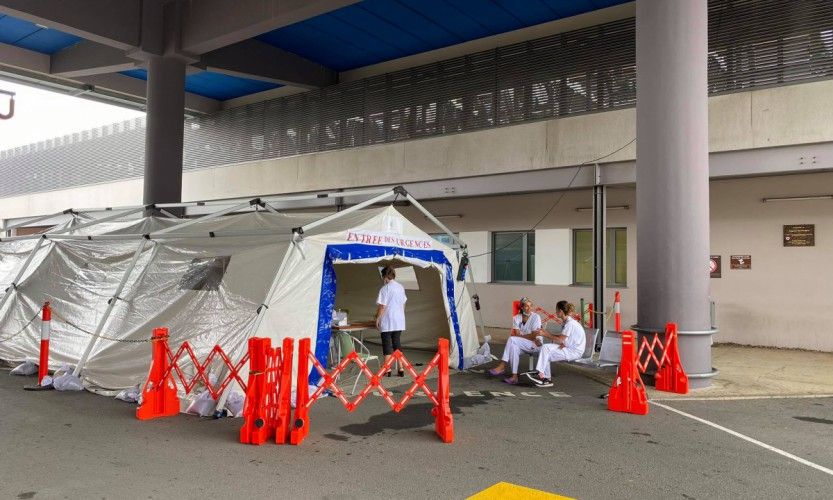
(740, 262)
(714, 266)
(799, 235)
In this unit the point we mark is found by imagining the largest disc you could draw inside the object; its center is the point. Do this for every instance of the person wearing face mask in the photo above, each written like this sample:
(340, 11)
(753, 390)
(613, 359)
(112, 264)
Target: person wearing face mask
(526, 325)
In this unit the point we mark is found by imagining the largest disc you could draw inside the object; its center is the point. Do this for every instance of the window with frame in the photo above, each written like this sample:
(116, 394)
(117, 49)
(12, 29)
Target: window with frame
(445, 239)
(616, 255)
(513, 257)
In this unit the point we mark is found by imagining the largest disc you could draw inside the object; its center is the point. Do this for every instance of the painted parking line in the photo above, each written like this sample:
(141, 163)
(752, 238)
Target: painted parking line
(745, 398)
(747, 438)
(509, 491)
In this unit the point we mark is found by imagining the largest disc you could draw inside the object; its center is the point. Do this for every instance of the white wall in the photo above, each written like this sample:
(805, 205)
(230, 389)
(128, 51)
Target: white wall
(783, 301)
(553, 257)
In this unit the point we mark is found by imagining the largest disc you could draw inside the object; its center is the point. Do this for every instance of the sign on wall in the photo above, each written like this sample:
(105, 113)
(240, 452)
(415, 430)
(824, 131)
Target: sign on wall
(799, 235)
(714, 266)
(740, 262)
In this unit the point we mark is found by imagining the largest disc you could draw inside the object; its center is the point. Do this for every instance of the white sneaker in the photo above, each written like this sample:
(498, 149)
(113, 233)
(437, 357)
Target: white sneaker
(538, 381)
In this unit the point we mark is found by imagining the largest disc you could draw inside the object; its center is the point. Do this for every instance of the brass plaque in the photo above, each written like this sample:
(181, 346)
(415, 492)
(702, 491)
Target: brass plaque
(799, 235)
(740, 262)
(714, 266)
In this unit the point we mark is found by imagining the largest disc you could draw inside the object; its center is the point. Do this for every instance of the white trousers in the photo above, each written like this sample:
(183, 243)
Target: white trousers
(551, 353)
(514, 347)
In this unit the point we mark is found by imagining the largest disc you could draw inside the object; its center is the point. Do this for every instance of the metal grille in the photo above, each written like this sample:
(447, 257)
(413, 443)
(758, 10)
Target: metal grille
(752, 44)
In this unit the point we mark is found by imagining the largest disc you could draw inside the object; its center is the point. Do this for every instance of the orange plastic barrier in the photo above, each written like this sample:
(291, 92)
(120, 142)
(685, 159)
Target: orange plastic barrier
(159, 397)
(267, 409)
(628, 391)
(670, 376)
(443, 421)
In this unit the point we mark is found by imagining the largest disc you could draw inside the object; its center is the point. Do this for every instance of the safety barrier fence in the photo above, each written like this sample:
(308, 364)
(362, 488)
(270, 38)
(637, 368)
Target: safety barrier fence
(443, 421)
(159, 394)
(627, 394)
(267, 410)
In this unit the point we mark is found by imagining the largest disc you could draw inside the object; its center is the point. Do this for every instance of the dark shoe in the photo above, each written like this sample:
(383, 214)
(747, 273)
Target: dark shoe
(387, 374)
(538, 381)
(401, 373)
(509, 381)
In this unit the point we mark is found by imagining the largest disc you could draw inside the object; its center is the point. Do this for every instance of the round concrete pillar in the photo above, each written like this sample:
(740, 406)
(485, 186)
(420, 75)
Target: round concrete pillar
(672, 177)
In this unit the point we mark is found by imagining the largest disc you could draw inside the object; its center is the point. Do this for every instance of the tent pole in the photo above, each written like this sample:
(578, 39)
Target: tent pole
(261, 313)
(271, 209)
(103, 219)
(482, 324)
(110, 305)
(167, 214)
(204, 218)
(33, 220)
(13, 286)
(433, 219)
(319, 222)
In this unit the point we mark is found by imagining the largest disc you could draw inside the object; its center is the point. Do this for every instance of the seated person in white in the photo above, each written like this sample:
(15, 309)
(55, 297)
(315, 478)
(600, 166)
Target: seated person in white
(567, 346)
(525, 327)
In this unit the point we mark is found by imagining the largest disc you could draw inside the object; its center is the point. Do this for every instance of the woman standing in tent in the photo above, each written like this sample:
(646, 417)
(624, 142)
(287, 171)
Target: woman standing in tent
(390, 314)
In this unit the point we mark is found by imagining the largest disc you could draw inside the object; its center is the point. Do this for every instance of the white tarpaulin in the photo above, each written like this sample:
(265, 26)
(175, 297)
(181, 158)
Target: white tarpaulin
(221, 281)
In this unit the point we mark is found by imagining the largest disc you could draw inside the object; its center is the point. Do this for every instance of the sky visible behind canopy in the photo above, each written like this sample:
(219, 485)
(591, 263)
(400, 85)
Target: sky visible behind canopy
(41, 115)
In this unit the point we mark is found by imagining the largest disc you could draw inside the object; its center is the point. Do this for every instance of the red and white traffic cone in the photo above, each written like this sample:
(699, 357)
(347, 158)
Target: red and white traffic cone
(617, 311)
(45, 331)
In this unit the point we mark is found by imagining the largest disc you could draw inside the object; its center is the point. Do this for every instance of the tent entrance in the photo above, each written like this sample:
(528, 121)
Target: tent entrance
(357, 287)
(439, 308)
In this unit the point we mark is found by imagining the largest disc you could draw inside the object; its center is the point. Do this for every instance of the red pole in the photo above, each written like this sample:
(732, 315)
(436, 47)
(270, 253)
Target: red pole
(443, 421)
(590, 319)
(45, 331)
(617, 309)
(300, 427)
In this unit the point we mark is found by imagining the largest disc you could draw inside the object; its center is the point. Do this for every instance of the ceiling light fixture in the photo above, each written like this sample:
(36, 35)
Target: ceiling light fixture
(798, 198)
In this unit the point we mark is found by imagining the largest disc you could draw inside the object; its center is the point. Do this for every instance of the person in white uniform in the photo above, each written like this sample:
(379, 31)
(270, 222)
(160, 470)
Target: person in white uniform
(566, 346)
(526, 325)
(390, 314)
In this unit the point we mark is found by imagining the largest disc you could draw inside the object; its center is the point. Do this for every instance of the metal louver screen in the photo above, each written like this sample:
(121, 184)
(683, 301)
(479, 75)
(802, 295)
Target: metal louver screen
(752, 44)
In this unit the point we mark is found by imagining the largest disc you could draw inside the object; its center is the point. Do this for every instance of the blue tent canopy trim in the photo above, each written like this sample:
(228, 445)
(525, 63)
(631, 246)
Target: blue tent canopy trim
(357, 251)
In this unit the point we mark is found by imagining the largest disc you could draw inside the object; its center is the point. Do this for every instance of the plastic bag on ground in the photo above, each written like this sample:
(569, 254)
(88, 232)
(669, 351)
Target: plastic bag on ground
(130, 395)
(234, 404)
(25, 369)
(203, 405)
(67, 382)
(484, 355)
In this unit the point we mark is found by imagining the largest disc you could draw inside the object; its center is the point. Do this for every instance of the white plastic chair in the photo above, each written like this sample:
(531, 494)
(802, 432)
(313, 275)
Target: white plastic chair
(345, 344)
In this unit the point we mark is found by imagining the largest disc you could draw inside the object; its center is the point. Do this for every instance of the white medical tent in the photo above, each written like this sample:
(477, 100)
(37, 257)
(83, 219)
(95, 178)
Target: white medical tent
(221, 279)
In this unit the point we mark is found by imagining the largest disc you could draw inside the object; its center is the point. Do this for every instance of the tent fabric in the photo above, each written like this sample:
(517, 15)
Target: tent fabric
(210, 284)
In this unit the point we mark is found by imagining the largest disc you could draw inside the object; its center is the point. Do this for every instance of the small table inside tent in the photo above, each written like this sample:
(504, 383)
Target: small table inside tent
(357, 327)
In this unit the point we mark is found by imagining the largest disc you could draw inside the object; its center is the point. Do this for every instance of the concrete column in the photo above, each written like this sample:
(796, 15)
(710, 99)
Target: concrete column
(164, 133)
(672, 177)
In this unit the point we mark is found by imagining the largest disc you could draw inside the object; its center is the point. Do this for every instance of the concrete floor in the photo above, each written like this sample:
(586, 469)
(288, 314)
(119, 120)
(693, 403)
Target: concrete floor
(562, 440)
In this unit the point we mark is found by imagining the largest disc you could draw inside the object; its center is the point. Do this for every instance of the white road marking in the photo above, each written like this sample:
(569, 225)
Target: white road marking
(749, 439)
(743, 398)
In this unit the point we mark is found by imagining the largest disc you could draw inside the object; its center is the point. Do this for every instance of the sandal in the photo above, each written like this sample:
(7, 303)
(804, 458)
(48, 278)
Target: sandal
(509, 381)
(495, 372)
